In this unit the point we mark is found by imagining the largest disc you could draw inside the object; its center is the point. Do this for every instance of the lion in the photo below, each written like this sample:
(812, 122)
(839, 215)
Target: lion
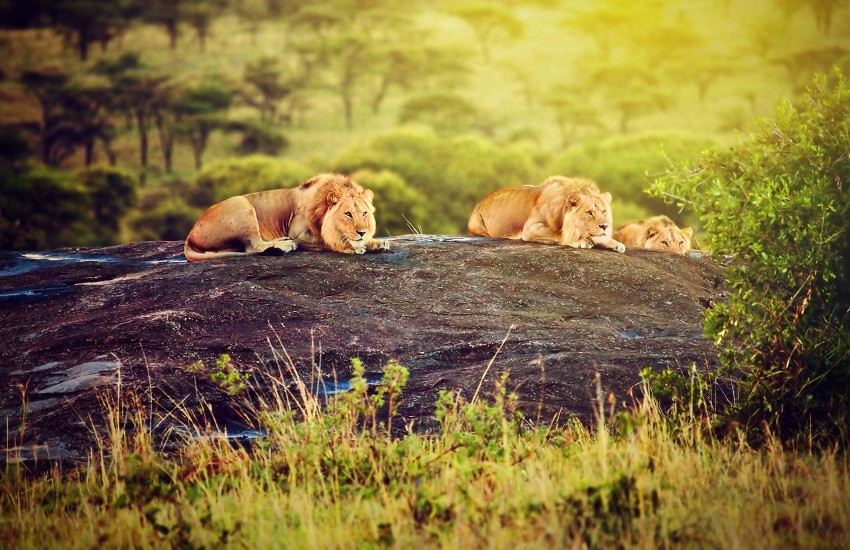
(658, 233)
(327, 212)
(565, 211)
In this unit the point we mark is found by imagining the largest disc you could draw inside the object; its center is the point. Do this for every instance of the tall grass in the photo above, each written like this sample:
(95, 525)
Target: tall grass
(334, 472)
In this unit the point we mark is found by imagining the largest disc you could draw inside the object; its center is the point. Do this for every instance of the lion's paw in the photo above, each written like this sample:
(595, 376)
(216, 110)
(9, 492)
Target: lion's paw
(380, 245)
(358, 247)
(620, 247)
(285, 245)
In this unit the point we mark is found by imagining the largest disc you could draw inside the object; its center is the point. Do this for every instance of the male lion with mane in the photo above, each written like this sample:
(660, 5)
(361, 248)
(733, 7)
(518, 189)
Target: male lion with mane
(565, 211)
(329, 211)
(657, 233)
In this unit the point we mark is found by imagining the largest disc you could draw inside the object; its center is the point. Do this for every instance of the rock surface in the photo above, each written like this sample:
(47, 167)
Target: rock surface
(74, 324)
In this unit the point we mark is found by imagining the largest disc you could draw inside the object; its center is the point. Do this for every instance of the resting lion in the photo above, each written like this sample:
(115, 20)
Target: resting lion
(329, 211)
(658, 232)
(566, 211)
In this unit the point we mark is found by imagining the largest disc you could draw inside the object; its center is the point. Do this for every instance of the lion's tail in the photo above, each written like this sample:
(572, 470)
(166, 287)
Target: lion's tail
(194, 255)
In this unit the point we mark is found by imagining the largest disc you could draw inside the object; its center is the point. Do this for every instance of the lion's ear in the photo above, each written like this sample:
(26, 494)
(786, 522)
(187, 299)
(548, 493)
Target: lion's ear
(606, 196)
(333, 198)
(368, 195)
(688, 232)
(651, 232)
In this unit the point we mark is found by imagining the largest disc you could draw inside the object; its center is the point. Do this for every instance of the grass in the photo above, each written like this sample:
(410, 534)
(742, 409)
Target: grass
(331, 474)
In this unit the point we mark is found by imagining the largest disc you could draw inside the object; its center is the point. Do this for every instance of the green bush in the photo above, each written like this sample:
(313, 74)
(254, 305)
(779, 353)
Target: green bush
(227, 178)
(399, 209)
(169, 220)
(43, 208)
(112, 193)
(626, 165)
(453, 173)
(779, 206)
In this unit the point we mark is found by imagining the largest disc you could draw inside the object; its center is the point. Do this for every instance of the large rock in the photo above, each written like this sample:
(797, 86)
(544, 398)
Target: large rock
(77, 323)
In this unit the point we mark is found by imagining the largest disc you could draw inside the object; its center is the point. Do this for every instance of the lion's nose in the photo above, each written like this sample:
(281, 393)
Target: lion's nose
(604, 227)
(361, 232)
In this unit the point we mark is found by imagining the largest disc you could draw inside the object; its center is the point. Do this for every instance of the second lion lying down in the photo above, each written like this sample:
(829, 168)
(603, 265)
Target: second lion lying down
(566, 211)
(329, 211)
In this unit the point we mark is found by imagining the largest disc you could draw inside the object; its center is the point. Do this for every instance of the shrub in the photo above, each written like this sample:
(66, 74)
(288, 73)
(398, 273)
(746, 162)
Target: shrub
(231, 177)
(778, 204)
(453, 173)
(42, 208)
(112, 193)
(400, 209)
(169, 220)
(625, 165)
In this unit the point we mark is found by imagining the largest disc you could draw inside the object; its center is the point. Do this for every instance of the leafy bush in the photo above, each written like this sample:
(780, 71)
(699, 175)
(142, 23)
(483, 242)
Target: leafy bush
(400, 209)
(112, 193)
(779, 205)
(625, 166)
(169, 220)
(453, 173)
(42, 208)
(231, 177)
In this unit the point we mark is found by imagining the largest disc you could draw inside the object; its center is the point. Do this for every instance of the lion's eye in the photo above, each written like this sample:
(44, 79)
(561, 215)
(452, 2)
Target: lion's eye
(681, 243)
(348, 215)
(365, 213)
(665, 243)
(590, 213)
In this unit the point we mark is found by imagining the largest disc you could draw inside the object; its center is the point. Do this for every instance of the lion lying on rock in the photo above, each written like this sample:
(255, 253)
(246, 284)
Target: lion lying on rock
(329, 211)
(658, 232)
(565, 211)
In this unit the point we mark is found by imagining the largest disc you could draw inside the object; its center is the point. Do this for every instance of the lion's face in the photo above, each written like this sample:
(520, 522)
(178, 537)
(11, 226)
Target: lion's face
(669, 238)
(349, 221)
(589, 216)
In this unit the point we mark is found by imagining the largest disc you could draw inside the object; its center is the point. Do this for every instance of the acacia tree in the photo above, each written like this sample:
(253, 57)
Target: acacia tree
(489, 23)
(200, 109)
(167, 14)
(572, 111)
(265, 87)
(46, 85)
(90, 21)
(199, 14)
(822, 10)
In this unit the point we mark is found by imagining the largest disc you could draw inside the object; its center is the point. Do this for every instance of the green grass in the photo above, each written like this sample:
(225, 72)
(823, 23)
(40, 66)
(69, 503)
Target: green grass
(334, 477)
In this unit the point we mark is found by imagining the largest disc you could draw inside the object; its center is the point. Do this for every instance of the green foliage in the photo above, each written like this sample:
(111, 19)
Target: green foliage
(166, 220)
(228, 178)
(453, 173)
(399, 209)
(42, 208)
(447, 113)
(778, 204)
(112, 193)
(626, 165)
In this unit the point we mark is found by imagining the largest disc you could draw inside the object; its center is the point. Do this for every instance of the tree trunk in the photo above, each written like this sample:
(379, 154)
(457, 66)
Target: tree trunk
(89, 152)
(166, 141)
(141, 122)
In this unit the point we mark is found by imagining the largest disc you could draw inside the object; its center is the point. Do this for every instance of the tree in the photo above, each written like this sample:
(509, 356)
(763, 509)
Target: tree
(489, 23)
(265, 88)
(111, 193)
(447, 113)
(167, 14)
(47, 84)
(199, 14)
(199, 109)
(630, 91)
(822, 10)
(572, 112)
(90, 21)
(801, 65)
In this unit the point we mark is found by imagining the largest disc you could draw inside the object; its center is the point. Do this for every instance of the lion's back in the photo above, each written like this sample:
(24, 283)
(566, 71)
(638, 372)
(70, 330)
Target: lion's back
(503, 213)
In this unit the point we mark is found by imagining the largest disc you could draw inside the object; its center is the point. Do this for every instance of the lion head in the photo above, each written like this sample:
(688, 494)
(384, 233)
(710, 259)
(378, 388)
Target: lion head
(587, 213)
(658, 233)
(345, 210)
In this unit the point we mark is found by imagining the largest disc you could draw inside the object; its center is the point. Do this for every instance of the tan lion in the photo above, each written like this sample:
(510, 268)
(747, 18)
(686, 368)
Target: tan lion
(565, 211)
(329, 211)
(658, 233)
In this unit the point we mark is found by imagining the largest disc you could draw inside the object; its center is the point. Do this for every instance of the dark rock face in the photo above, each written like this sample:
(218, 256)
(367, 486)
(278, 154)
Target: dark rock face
(75, 322)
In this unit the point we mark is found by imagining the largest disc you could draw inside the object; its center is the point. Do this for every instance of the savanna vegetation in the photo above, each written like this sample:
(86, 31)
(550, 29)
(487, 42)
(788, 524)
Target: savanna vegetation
(125, 124)
(445, 100)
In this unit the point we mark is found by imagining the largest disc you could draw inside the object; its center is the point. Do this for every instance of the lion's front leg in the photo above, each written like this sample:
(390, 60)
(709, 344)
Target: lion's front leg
(612, 244)
(578, 244)
(539, 232)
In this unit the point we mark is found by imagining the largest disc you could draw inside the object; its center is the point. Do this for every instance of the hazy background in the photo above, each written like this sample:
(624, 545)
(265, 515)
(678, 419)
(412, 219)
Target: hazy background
(123, 120)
